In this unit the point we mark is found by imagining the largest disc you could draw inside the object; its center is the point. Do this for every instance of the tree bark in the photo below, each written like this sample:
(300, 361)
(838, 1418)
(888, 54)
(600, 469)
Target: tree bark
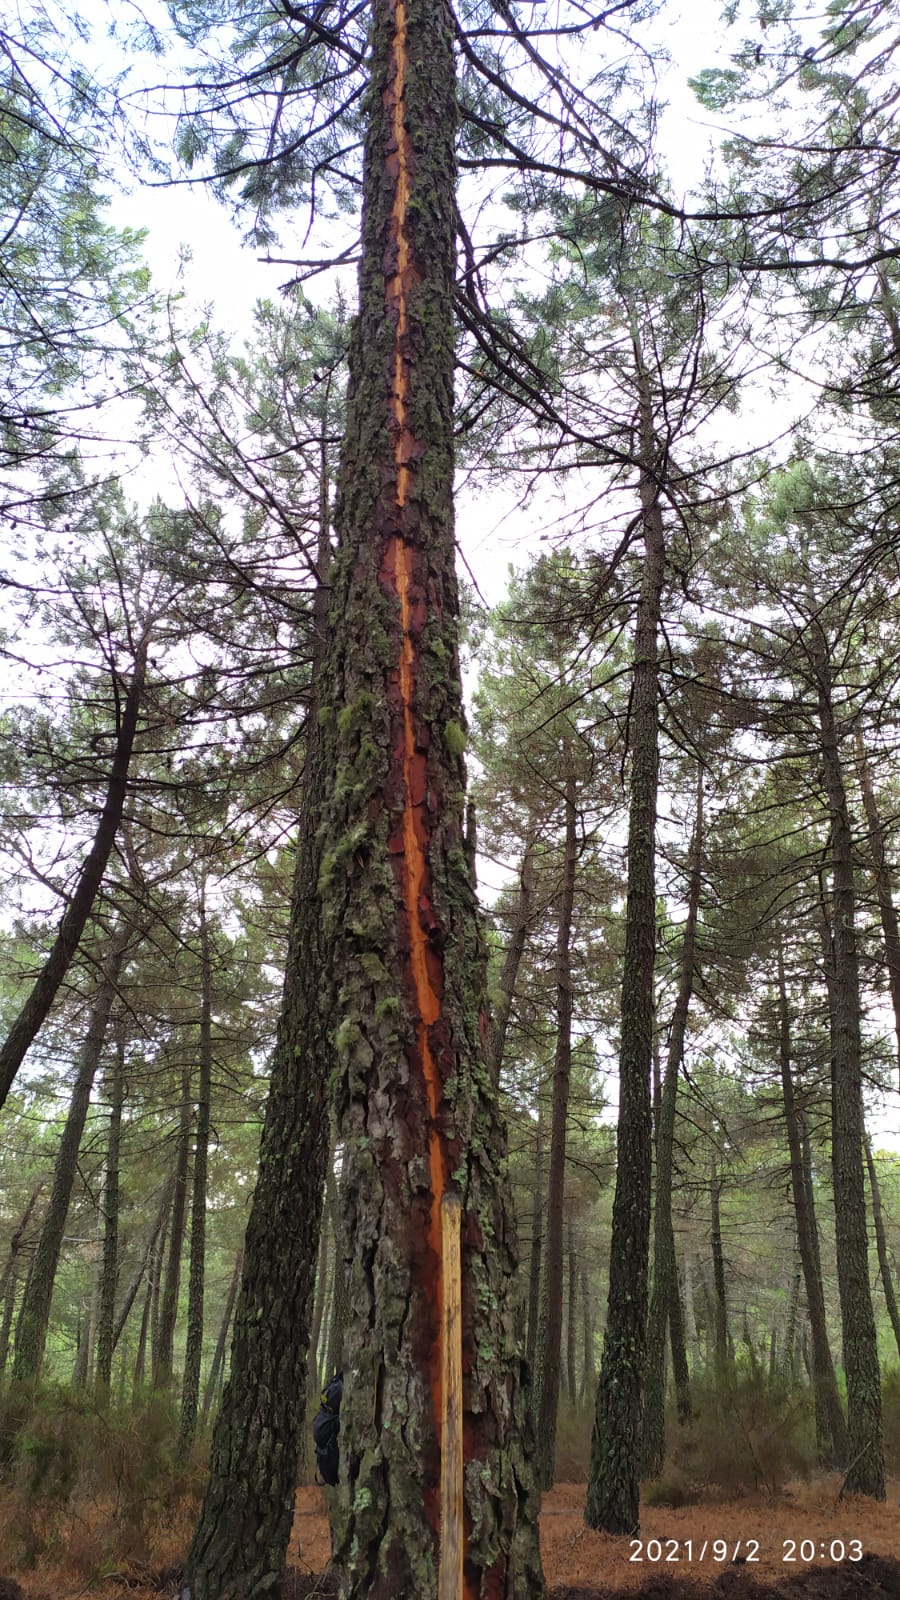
(132, 1290)
(886, 907)
(34, 1319)
(519, 934)
(418, 1112)
(690, 1314)
(241, 1537)
(865, 1472)
(554, 1247)
(887, 1280)
(190, 1388)
(588, 1374)
(110, 1261)
(613, 1473)
(532, 1336)
(8, 1282)
(218, 1359)
(824, 1382)
(722, 1343)
(46, 986)
(571, 1310)
(164, 1343)
(664, 1290)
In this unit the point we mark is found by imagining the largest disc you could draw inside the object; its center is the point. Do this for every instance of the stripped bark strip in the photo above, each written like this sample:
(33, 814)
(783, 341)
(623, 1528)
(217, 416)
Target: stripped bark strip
(450, 1571)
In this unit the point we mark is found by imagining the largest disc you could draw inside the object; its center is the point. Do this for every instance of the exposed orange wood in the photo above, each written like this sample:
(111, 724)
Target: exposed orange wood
(401, 572)
(450, 1571)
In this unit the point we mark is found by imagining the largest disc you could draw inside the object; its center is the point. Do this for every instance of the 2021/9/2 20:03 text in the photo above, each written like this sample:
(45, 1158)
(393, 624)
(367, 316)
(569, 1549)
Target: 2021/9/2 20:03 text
(741, 1550)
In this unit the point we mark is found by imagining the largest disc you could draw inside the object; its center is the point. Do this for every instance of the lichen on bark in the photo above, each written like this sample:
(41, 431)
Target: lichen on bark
(417, 1107)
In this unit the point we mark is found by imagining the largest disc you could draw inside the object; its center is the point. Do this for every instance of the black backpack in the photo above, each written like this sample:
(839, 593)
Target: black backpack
(326, 1427)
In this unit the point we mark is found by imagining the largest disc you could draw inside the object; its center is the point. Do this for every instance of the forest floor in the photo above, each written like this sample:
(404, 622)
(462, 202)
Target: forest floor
(757, 1534)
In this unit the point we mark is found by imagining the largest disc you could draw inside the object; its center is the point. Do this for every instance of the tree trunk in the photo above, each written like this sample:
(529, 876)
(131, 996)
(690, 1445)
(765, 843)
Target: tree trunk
(722, 1342)
(554, 1248)
(571, 1311)
(532, 1352)
(865, 1472)
(588, 1374)
(35, 1315)
(824, 1382)
(340, 1297)
(665, 1278)
(613, 1474)
(886, 907)
(8, 1282)
(140, 1360)
(242, 1534)
(110, 1264)
(46, 986)
(146, 1260)
(164, 1344)
(518, 936)
(418, 1112)
(190, 1389)
(690, 1314)
(887, 1280)
(218, 1359)
(789, 1349)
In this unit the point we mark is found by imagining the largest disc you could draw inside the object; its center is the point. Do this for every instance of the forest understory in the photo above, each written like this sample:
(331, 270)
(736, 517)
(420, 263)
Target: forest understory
(579, 1564)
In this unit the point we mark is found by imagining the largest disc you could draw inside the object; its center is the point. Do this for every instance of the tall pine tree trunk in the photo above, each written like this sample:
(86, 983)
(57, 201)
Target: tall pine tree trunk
(10, 1275)
(532, 1335)
(826, 1391)
(109, 1268)
(218, 1360)
(190, 1389)
(242, 1534)
(887, 909)
(554, 1247)
(74, 921)
(164, 1341)
(722, 1342)
(418, 1111)
(34, 1317)
(865, 1472)
(665, 1277)
(613, 1481)
(514, 951)
(887, 1279)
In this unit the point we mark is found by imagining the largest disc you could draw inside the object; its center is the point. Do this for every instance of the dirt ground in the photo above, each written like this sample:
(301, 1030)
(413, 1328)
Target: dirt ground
(726, 1550)
(736, 1548)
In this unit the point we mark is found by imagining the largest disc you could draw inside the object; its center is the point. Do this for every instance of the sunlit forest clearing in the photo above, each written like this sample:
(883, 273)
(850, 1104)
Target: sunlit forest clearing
(450, 1146)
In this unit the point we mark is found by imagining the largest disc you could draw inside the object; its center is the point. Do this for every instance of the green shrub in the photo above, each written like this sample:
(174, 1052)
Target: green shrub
(746, 1436)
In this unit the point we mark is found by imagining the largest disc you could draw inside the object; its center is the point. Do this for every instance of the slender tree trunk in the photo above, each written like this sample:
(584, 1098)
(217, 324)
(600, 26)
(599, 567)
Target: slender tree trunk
(532, 1352)
(110, 1262)
(46, 986)
(242, 1534)
(146, 1261)
(690, 1314)
(571, 1310)
(218, 1360)
(887, 1280)
(520, 924)
(164, 1344)
(824, 1382)
(613, 1474)
(554, 1250)
(886, 907)
(140, 1360)
(588, 1373)
(9, 1279)
(35, 1315)
(665, 1278)
(865, 1472)
(722, 1342)
(156, 1284)
(190, 1389)
(680, 1370)
(789, 1347)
